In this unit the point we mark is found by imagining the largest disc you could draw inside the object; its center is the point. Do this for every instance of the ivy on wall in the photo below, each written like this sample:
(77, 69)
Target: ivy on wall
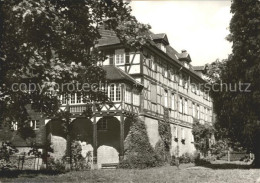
(163, 146)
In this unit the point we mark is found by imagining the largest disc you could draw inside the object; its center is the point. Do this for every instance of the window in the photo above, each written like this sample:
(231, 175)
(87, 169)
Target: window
(118, 93)
(153, 93)
(153, 64)
(180, 80)
(186, 106)
(175, 132)
(112, 92)
(173, 102)
(163, 47)
(102, 125)
(185, 80)
(182, 134)
(193, 110)
(128, 97)
(166, 72)
(111, 59)
(78, 98)
(193, 86)
(206, 115)
(198, 111)
(63, 99)
(72, 100)
(35, 124)
(136, 99)
(165, 98)
(14, 126)
(180, 105)
(119, 56)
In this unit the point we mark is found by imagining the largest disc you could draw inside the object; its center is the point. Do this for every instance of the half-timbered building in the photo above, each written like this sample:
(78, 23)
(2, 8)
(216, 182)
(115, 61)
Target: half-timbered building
(156, 83)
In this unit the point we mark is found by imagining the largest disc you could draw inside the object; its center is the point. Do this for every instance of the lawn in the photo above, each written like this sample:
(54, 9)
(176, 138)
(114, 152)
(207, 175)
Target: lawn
(186, 173)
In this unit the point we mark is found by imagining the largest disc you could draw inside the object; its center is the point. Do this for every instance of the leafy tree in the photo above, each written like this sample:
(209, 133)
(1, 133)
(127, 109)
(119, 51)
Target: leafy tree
(202, 133)
(51, 43)
(238, 109)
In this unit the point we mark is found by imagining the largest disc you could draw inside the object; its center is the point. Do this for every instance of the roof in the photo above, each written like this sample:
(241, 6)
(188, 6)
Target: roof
(161, 36)
(115, 74)
(109, 38)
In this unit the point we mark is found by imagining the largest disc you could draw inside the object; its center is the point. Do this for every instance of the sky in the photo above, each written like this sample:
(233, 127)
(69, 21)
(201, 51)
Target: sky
(200, 27)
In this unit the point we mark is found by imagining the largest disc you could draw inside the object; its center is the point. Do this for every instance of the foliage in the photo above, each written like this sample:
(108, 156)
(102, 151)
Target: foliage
(138, 151)
(51, 43)
(163, 146)
(6, 150)
(56, 165)
(219, 148)
(202, 133)
(237, 110)
(187, 158)
(78, 161)
(164, 129)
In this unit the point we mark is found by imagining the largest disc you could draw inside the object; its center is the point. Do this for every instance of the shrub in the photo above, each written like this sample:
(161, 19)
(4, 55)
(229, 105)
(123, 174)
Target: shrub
(56, 165)
(78, 161)
(187, 158)
(201, 161)
(138, 151)
(6, 150)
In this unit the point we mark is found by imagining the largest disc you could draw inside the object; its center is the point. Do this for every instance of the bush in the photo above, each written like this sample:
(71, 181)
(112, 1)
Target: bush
(138, 151)
(201, 161)
(6, 151)
(56, 165)
(162, 152)
(78, 161)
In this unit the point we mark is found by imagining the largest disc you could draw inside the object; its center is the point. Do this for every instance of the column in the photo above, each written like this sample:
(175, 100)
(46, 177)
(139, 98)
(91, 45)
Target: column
(94, 143)
(121, 153)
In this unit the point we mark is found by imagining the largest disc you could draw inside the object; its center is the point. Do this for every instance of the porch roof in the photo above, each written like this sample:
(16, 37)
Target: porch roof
(116, 74)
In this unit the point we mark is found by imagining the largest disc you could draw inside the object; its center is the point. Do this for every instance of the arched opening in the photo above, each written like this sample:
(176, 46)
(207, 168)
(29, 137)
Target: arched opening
(108, 138)
(56, 137)
(82, 130)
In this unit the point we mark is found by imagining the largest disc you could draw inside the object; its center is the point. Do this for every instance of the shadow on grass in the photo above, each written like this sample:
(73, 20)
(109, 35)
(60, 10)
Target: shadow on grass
(27, 173)
(226, 166)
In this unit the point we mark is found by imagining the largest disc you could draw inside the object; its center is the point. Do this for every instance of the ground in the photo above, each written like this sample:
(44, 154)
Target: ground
(187, 173)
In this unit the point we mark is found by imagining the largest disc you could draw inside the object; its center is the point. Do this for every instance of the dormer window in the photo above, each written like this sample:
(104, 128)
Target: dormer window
(163, 47)
(119, 56)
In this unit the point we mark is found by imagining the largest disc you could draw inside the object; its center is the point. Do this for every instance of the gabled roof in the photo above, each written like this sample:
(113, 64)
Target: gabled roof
(184, 56)
(116, 74)
(161, 36)
(170, 51)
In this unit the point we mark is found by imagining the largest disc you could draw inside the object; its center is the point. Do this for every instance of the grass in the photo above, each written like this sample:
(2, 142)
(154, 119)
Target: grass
(187, 173)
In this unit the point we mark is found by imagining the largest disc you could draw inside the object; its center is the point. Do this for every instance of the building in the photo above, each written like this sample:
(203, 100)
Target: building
(156, 83)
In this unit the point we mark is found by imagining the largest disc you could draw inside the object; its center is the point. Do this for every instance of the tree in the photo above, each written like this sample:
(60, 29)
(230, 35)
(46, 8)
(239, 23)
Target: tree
(202, 133)
(237, 98)
(46, 44)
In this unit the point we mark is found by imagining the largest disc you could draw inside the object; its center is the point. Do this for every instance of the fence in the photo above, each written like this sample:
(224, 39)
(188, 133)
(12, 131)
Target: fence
(236, 156)
(25, 162)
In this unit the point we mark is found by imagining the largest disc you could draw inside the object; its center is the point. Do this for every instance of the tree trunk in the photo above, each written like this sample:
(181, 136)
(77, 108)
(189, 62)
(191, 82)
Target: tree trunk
(256, 162)
(256, 151)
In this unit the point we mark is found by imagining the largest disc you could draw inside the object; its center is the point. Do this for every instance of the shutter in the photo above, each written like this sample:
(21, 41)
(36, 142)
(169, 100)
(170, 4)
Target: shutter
(127, 56)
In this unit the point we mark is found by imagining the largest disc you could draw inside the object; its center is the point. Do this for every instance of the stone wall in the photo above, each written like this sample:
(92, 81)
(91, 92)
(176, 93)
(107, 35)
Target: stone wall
(153, 135)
